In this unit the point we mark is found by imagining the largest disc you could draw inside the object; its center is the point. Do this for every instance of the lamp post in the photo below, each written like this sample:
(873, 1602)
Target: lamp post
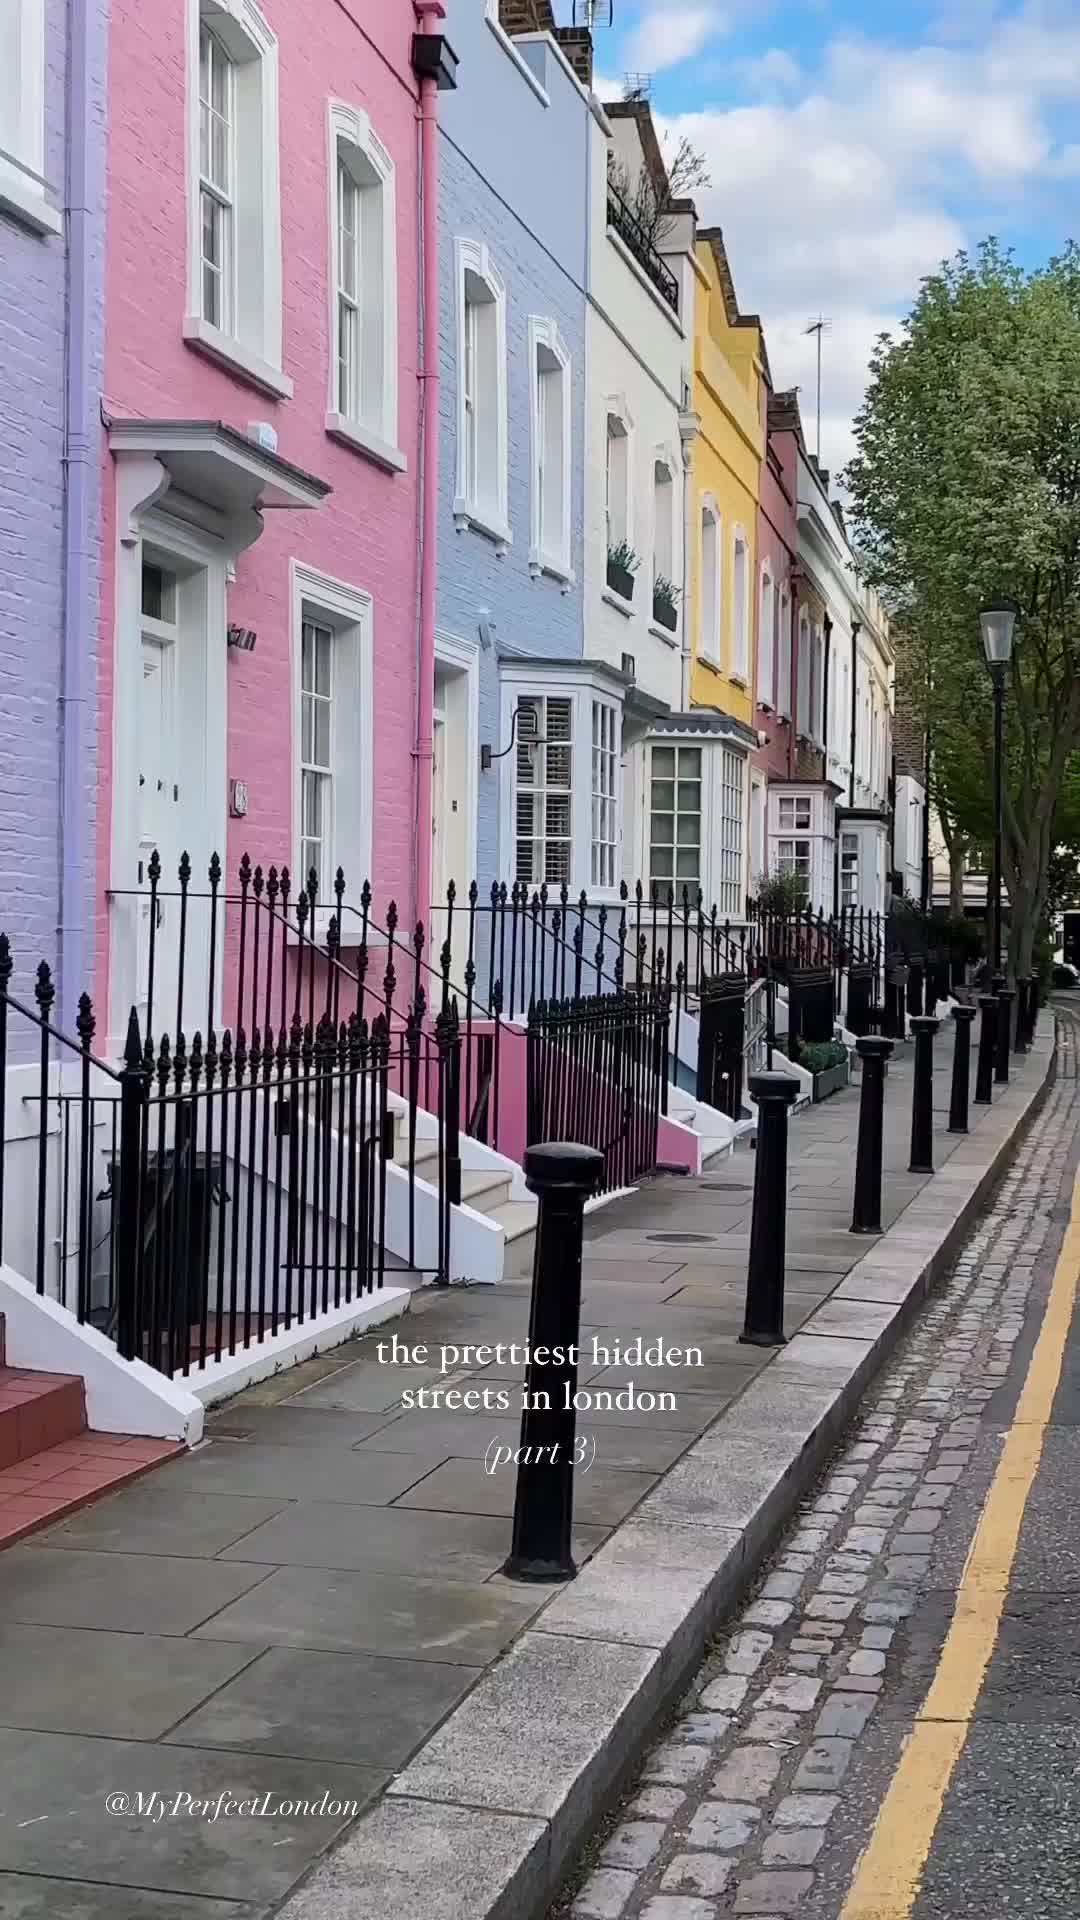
(997, 620)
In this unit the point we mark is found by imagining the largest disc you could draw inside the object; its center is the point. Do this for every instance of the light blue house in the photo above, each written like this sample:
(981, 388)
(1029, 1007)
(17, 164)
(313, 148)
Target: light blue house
(515, 720)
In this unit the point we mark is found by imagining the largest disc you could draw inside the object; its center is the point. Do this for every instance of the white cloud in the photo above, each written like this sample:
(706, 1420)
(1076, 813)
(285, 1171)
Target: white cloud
(837, 196)
(668, 35)
(774, 71)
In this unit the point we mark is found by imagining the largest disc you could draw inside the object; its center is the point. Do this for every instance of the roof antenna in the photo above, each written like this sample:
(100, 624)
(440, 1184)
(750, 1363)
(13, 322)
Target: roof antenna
(819, 326)
(594, 13)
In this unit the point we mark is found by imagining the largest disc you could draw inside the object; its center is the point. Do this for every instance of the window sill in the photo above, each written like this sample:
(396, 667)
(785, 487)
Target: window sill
(662, 633)
(613, 599)
(704, 660)
(352, 434)
(467, 513)
(236, 358)
(24, 200)
(544, 563)
(739, 680)
(520, 63)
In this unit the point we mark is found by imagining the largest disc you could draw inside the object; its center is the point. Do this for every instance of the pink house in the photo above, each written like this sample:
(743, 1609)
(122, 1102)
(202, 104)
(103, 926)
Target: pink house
(777, 656)
(262, 612)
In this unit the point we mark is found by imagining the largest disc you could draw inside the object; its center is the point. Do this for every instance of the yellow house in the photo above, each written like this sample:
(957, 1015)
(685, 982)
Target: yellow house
(727, 460)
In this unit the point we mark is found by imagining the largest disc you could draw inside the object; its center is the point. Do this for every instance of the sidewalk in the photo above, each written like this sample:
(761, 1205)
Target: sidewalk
(295, 1609)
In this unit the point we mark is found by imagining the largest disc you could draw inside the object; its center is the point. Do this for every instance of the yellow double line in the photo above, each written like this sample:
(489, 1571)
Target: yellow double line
(887, 1879)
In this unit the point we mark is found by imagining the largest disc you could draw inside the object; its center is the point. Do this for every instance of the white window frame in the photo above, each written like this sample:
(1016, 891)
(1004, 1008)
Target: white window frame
(544, 556)
(584, 691)
(849, 870)
(741, 612)
(767, 602)
(675, 880)
(489, 516)
(799, 811)
(730, 837)
(604, 769)
(251, 347)
(711, 617)
(783, 658)
(349, 612)
(664, 457)
(23, 188)
(804, 670)
(354, 145)
(795, 856)
(617, 409)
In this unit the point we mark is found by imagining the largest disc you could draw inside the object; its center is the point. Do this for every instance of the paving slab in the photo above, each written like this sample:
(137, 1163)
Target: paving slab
(125, 1591)
(601, 1497)
(196, 1525)
(56, 1822)
(356, 1708)
(438, 1862)
(30, 1897)
(442, 1546)
(376, 1613)
(300, 1473)
(129, 1686)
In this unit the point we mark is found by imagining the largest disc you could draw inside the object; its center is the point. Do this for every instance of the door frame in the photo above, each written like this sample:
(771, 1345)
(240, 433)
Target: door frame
(463, 657)
(208, 814)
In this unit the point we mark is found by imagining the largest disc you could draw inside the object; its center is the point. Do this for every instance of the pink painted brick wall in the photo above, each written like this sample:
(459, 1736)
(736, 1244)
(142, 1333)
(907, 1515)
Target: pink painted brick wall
(356, 51)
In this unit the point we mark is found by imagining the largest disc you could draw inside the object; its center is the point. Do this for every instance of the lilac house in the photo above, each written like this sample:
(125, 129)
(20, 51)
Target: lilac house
(52, 149)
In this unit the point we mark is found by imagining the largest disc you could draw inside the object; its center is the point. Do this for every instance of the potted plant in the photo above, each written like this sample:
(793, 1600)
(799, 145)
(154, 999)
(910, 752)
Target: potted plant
(622, 564)
(665, 603)
(829, 1063)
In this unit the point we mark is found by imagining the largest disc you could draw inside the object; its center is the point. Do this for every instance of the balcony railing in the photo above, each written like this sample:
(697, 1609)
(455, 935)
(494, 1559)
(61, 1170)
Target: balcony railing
(633, 235)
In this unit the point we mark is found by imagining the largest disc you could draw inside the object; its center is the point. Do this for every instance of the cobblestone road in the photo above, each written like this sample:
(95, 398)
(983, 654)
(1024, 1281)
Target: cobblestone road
(763, 1794)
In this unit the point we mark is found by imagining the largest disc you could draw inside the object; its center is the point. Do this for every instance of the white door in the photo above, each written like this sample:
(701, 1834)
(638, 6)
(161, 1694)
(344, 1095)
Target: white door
(757, 831)
(439, 875)
(158, 809)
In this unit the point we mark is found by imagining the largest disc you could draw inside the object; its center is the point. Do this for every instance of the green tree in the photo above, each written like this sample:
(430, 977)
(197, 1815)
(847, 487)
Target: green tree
(966, 484)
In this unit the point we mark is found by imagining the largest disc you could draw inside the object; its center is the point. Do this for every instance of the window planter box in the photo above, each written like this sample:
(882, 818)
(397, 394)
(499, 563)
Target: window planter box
(620, 580)
(664, 615)
(832, 1080)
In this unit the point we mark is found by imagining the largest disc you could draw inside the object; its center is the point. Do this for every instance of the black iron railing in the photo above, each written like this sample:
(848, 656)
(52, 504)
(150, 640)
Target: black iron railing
(597, 1068)
(626, 224)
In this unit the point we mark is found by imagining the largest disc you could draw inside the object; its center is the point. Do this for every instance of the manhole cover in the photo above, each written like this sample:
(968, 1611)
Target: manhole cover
(682, 1239)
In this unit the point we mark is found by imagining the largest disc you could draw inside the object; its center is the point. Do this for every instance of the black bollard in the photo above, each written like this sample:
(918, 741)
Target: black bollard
(924, 1027)
(1024, 987)
(764, 1325)
(984, 1072)
(562, 1176)
(866, 1217)
(961, 1069)
(1004, 1034)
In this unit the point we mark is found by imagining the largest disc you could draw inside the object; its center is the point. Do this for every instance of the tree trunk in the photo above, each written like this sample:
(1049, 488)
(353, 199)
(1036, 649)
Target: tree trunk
(956, 877)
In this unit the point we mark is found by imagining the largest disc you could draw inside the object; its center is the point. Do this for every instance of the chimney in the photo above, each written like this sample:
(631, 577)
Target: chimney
(576, 43)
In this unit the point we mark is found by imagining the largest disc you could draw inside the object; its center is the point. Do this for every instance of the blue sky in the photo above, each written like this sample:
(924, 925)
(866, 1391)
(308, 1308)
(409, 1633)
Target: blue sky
(852, 144)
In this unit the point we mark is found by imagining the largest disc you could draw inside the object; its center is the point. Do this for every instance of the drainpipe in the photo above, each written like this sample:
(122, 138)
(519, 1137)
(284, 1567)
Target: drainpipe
(856, 627)
(689, 424)
(80, 448)
(428, 15)
(793, 679)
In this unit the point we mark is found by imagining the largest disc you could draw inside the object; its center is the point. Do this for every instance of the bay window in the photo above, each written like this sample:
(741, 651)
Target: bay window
(849, 869)
(605, 767)
(793, 856)
(675, 818)
(545, 779)
(730, 851)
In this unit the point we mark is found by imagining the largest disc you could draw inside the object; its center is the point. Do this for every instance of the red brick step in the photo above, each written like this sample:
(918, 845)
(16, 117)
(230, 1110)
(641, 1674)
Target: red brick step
(50, 1461)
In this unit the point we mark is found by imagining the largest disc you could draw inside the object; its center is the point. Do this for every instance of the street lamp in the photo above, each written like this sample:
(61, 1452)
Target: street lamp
(997, 620)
